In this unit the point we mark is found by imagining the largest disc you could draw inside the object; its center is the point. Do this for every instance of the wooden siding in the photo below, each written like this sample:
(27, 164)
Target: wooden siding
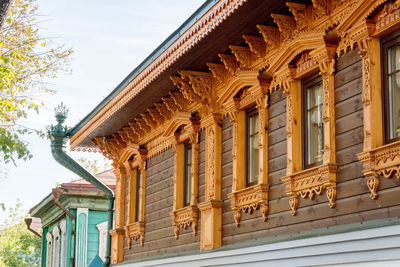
(353, 204)
(159, 232)
(95, 217)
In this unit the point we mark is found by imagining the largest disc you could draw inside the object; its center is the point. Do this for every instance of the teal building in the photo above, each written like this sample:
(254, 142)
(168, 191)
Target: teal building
(74, 223)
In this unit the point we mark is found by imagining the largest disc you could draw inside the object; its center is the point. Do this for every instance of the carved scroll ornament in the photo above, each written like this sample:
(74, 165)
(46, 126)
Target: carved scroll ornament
(383, 161)
(183, 218)
(134, 232)
(311, 182)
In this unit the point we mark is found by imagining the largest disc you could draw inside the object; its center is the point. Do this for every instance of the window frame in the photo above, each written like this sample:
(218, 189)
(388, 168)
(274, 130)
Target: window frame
(307, 83)
(187, 176)
(387, 42)
(253, 111)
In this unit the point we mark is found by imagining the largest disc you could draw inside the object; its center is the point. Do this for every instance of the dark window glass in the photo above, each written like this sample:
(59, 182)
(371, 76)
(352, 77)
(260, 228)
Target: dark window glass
(137, 207)
(187, 176)
(252, 154)
(313, 124)
(391, 94)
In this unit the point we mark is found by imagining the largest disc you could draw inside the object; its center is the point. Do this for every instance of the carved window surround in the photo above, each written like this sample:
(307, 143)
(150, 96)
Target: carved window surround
(248, 199)
(377, 158)
(384, 160)
(309, 182)
(184, 128)
(134, 230)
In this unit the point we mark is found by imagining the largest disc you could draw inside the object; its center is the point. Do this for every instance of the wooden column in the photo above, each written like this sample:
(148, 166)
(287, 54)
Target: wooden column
(118, 233)
(211, 208)
(262, 106)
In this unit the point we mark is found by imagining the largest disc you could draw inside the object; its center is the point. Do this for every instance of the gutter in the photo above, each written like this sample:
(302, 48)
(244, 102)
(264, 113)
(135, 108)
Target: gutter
(28, 222)
(58, 136)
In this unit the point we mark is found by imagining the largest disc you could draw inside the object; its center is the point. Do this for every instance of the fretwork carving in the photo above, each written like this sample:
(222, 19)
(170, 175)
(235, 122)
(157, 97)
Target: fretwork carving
(142, 123)
(183, 218)
(248, 200)
(299, 12)
(384, 161)
(179, 100)
(257, 45)
(230, 63)
(150, 122)
(201, 82)
(219, 71)
(271, 36)
(286, 25)
(110, 147)
(185, 88)
(163, 110)
(243, 55)
(321, 8)
(156, 115)
(134, 232)
(136, 130)
(170, 104)
(311, 182)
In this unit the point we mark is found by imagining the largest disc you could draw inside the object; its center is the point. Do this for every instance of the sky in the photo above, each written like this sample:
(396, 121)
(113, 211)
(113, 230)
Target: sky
(109, 39)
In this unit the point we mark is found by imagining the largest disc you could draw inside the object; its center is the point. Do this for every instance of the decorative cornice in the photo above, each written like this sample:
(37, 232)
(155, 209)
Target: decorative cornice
(197, 32)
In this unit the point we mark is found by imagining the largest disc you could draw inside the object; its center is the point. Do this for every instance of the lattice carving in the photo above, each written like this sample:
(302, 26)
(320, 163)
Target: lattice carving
(286, 25)
(219, 71)
(183, 218)
(271, 36)
(185, 88)
(311, 182)
(230, 63)
(201, 82)
(179, 100)
(257, 45)
(248, 200)
(134, 232)
(170, 104)
(382, 161)
(299, 12)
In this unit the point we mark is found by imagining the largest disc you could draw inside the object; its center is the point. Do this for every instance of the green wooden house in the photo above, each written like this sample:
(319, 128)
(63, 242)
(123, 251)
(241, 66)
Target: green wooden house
(74, 223)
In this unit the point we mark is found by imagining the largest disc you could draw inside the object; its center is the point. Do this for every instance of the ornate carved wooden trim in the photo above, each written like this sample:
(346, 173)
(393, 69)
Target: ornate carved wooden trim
(184, 217)
(248, 200)
(243, 55)
(256, 44)
(219, 71)
(134, 232)
(286, 25)
(311, 182)
(384, 161)
(230, 63)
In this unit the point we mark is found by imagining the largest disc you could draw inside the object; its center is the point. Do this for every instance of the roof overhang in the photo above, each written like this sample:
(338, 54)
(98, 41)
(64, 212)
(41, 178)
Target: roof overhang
(209, 31)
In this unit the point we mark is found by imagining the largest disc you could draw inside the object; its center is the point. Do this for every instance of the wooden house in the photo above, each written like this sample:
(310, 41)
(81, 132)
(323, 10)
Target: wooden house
(259, 132)
(74, 223)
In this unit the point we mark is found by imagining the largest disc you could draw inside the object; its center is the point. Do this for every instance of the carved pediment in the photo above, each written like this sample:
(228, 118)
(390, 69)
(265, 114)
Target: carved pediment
(180, 118)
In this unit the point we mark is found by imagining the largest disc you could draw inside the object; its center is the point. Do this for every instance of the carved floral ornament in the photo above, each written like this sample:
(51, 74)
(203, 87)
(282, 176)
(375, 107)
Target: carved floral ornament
(184, 128)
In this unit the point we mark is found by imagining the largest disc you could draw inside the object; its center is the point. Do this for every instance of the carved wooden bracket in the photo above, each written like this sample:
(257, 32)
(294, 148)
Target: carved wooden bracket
(256, 44)
(230, 63)
(286, 25)
(248, 200)
(219, 71)
(299, 12)
(186, 89)
(184, 217)
(134, 232)
(311, 182)
(271, 36)
(384, 160)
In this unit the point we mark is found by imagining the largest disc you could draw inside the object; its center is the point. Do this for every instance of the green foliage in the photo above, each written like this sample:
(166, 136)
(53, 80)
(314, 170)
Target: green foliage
(27, 60)
(18, 246)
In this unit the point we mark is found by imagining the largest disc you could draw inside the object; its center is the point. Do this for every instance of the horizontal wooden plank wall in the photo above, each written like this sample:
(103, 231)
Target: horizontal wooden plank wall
(353, 203)
(159, 233)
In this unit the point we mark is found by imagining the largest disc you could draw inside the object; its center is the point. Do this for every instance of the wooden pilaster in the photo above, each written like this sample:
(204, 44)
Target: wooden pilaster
(118, 233)
(211, 208)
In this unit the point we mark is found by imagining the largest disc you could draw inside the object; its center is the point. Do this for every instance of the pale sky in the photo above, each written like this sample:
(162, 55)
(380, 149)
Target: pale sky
(110, 38)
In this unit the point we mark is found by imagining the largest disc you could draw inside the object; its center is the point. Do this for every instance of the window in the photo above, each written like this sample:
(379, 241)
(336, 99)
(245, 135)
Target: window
(313, 130)
(391, 89)
(252, 151)
(187, 192)
(137, 198)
